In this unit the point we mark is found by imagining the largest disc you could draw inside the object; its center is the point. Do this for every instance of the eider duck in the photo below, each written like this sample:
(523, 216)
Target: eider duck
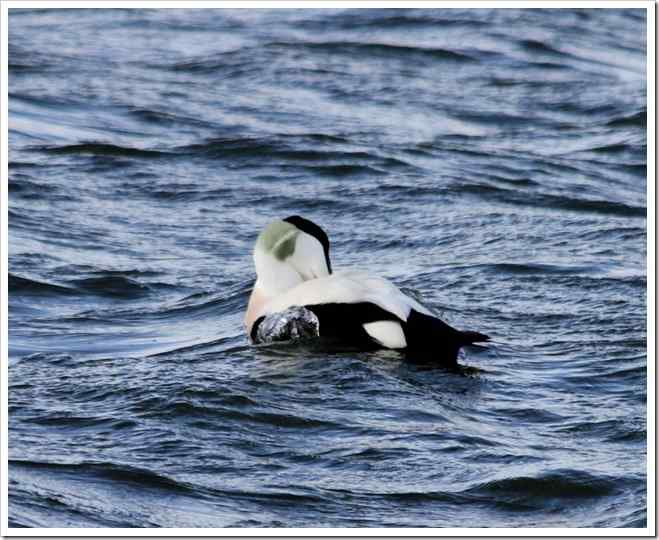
(294, 271)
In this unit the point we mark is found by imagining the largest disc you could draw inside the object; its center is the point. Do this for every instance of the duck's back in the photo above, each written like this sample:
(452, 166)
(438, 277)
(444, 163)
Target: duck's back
(349, 287)
(361, 309)
(353, 307)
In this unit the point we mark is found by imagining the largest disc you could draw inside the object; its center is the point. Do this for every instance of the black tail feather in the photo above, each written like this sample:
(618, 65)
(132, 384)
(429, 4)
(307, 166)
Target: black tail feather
(430, 339)
(470, 337)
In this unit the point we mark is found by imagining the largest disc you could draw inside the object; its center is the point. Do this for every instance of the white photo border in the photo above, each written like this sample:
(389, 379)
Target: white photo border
(649, 530)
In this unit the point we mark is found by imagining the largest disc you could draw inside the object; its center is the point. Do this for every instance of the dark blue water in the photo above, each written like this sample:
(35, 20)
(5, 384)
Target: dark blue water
(491, 162)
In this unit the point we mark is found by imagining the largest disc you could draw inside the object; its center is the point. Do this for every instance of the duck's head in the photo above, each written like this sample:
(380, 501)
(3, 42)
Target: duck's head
(290, 251)
(287, 252)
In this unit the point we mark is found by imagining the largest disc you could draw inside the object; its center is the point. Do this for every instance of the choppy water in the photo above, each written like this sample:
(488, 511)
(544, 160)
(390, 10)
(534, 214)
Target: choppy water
(492, 162)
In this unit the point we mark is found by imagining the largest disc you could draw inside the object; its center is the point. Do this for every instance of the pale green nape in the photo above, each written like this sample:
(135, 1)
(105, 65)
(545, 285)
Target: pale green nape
(278, 238)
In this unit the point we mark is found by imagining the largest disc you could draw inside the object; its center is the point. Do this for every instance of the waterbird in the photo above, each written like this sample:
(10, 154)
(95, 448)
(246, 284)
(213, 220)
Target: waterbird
(355, 308)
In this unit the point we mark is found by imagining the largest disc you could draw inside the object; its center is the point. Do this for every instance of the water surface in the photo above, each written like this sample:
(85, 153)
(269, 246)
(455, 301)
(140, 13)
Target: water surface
(492, 162)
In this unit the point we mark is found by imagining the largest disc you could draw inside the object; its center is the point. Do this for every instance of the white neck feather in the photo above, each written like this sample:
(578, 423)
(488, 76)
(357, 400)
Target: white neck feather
(274, 276)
